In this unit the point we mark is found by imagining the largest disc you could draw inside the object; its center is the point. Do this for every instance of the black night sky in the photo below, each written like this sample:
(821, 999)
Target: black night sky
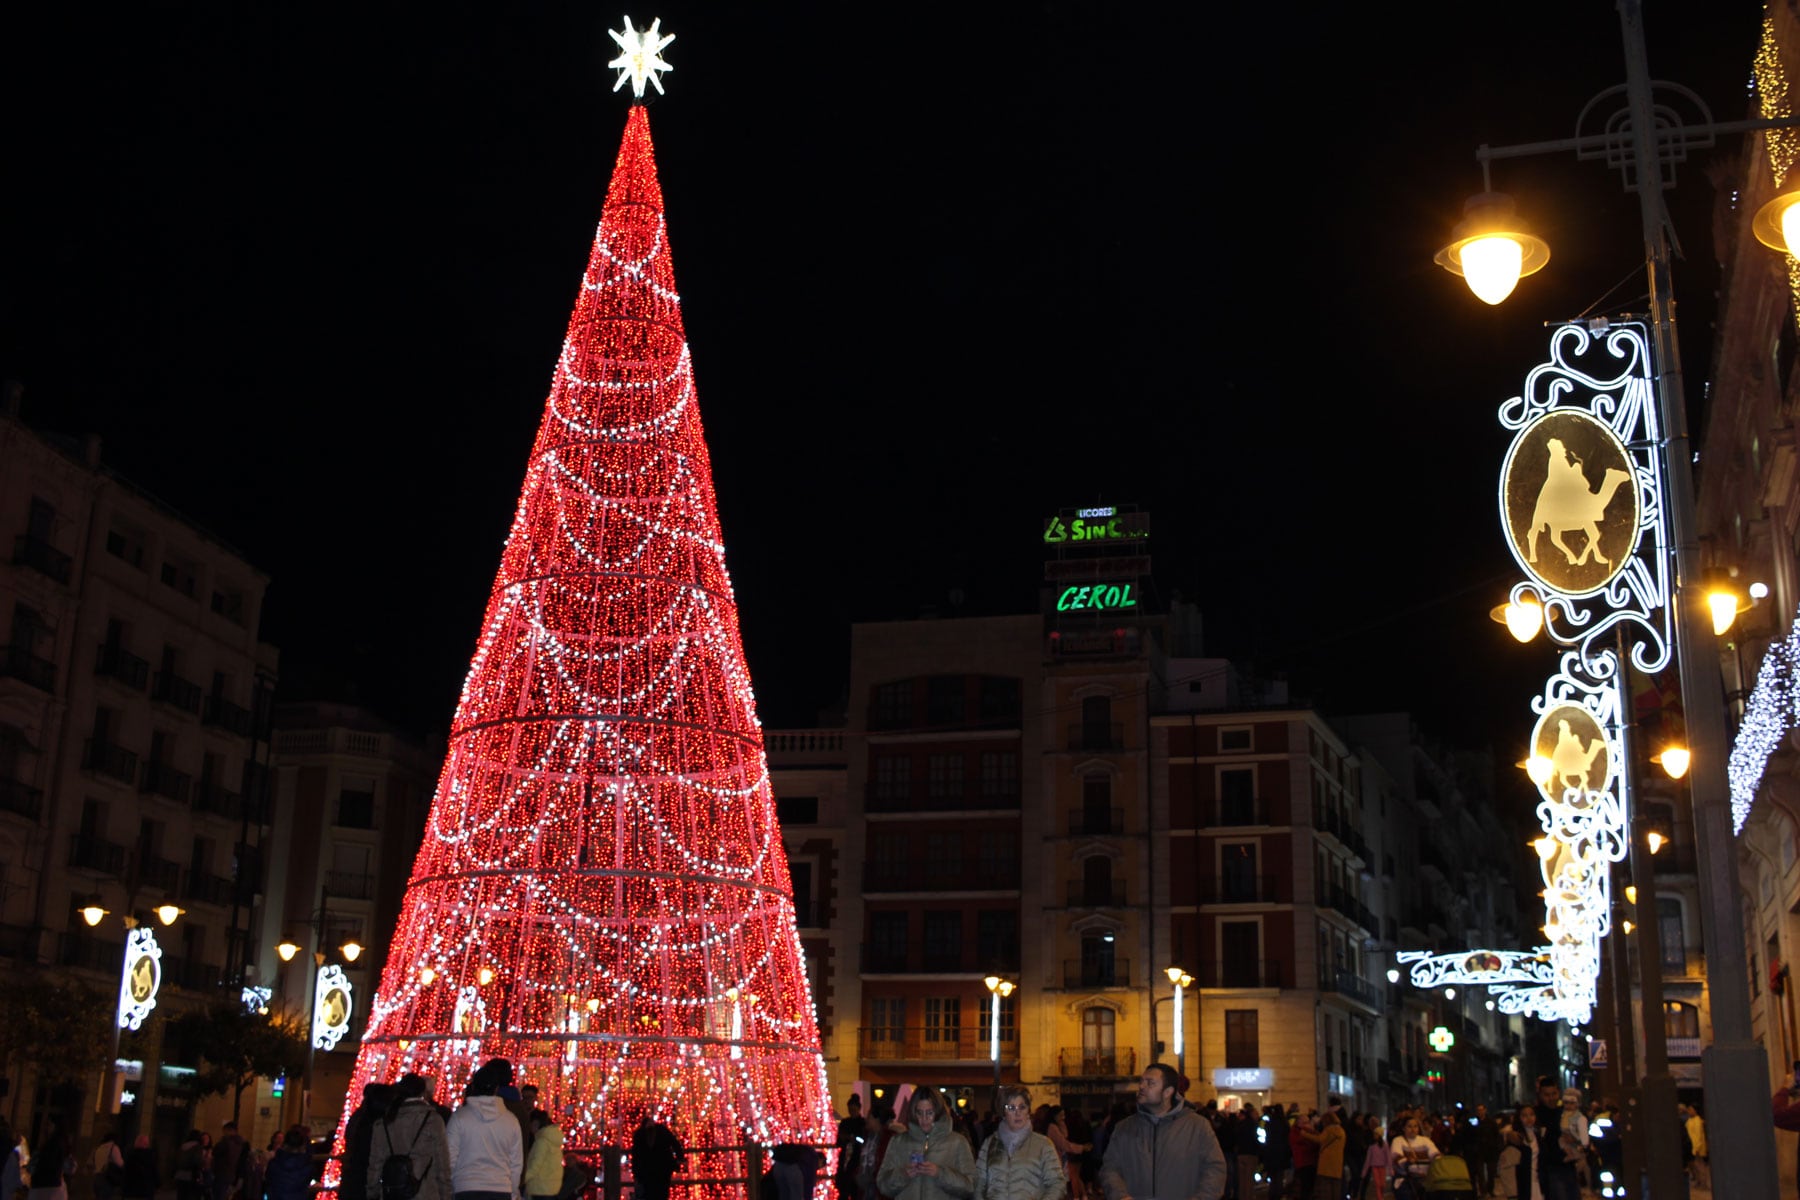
(944, 271)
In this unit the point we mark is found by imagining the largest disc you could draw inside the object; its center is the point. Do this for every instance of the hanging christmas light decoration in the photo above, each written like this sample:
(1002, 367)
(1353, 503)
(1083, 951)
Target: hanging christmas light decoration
(601, 895)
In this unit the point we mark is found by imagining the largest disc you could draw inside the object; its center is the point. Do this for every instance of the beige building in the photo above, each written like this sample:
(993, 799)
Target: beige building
(132, 684)
(351, 798)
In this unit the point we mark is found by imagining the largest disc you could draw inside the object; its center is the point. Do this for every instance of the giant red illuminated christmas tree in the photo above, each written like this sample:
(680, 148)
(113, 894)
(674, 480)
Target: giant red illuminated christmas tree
(601, 895)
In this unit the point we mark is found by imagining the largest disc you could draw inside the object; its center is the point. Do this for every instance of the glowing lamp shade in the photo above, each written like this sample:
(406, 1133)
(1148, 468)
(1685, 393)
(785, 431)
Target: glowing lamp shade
(166, 913)
(1393, 975)
(1492, 249)
(1675, 760)
(352, 951)
(1523, 618)
(287, 950)
(93, 914)
(1724, 610)
(1777, 223)
(1656, 840)
(1539, 768)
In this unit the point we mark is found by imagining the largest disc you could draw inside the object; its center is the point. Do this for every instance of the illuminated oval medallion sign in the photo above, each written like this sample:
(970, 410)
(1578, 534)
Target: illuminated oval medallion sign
(142, 977)
(1569, 502)
(331, 1007)
(1570, 737)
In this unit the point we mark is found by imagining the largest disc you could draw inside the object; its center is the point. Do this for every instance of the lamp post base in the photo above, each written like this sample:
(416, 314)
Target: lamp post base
(1740, 1146)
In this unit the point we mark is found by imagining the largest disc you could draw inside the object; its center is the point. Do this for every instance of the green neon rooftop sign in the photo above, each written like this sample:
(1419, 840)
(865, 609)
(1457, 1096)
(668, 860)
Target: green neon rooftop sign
(1097, 597)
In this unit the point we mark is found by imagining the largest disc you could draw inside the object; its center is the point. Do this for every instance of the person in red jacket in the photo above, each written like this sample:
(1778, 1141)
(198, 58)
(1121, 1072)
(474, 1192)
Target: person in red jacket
(1306, 1154)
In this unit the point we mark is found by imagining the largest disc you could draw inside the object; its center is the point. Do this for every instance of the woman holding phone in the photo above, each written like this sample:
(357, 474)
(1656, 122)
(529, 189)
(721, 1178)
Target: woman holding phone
(930, 1160)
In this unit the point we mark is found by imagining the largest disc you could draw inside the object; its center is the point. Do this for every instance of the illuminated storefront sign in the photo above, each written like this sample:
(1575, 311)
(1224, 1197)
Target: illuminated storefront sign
(1244, 1079)
(1441, 1039)
(1097, 597)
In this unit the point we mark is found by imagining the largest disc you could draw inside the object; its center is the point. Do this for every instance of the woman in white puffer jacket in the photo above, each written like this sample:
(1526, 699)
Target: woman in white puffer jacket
(1017, 1162)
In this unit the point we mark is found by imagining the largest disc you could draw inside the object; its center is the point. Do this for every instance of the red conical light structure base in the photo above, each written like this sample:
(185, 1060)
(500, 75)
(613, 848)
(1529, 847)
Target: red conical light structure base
(602, 895)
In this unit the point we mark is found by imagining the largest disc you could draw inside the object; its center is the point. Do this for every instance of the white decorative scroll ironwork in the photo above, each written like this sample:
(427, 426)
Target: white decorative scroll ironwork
(256, 999)
(1478, 968)
(1603, 374)
(331, 1007)
(140, 978)
(1771, 712)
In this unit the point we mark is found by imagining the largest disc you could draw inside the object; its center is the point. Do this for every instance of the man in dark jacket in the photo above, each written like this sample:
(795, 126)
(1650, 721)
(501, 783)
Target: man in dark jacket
(1165, 1149)
(1556, 1169)
(357, 1131)
(1485, 1164)
(289, 1176)
(656, 1154)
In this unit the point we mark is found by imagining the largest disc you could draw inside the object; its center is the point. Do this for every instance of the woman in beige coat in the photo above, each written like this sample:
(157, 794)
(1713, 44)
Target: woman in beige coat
(1018, 1163)
(930, 1161)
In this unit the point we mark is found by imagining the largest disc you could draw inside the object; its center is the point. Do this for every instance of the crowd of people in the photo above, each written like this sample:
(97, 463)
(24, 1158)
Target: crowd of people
(1557, 1148)
(401, 1144)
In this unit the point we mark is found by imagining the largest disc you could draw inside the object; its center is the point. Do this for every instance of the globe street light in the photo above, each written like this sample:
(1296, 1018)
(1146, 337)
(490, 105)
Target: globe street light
(1645, 140)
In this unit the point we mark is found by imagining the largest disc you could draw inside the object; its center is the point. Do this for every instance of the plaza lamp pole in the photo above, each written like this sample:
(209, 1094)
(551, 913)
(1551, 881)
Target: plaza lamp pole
(351, 950)
(998, 990)
(92, 914)
(1735, 1065)
(1180, 980)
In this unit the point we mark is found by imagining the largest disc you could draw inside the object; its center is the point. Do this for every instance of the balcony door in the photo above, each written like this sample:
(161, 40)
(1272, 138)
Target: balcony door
(1098, 1029)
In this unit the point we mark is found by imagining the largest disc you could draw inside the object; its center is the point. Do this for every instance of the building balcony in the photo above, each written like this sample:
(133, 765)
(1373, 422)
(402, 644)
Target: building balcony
(159, 873)
(208, 889)
(1100, 738)
(1356, 988)
(160, 779)
(1245, 973)
(889, 798)
(114, 762)
(1339, 899)
(121, 666)
(918, 1043)
(186, 973)
(42, 557)
(212, 799)
(176, 692)
(350, 885)
(1105, 823)
(916, 959)
(85, 950)
(19, 943)
(18, 662)
(222, 714)
(1079, 1061)
(946, 875)
(1091, 973)
(96, 854)
(20, 799)
(1083, 894)
(1250, 889)
(1244, 811)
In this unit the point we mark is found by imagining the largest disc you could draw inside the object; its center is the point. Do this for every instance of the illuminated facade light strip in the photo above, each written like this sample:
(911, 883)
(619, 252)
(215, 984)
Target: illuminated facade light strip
(1771, 712)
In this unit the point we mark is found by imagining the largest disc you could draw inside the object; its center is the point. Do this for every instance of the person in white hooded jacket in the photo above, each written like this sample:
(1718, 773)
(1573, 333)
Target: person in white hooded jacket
(487, 1153)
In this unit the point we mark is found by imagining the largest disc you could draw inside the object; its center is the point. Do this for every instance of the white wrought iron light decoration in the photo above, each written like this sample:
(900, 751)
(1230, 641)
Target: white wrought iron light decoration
(1581, 505)
(141, 977)
(332, 1005)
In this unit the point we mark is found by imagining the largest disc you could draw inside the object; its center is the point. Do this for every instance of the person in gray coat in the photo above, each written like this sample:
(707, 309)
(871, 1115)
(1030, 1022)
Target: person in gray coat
(1165, 1150)
(411, 1126)
(1016, 1162)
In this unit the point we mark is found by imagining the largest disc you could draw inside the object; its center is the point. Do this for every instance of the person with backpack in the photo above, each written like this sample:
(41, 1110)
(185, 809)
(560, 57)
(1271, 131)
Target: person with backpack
(289, 1176)
(409, 1152)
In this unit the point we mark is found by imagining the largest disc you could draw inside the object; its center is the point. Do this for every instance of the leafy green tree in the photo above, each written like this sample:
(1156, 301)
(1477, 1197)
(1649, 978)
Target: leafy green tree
(59, 1026)
(234, 1046)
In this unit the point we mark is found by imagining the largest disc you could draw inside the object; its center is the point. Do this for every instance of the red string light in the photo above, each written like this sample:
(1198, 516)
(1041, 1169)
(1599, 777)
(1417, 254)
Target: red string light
(602, 895)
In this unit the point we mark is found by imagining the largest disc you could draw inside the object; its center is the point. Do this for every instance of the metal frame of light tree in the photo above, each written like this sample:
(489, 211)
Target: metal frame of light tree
(602, 894)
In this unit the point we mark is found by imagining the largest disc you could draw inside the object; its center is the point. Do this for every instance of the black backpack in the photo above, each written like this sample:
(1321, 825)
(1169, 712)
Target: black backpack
(397, 1180)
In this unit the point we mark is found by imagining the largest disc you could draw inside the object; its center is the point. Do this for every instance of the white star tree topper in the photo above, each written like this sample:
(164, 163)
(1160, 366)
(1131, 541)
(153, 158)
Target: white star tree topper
(640, 58)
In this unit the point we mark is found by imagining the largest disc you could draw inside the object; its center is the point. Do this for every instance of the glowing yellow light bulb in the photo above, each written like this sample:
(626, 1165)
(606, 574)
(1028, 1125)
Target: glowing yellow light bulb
(1523, 619)
(1492, 265)
(1675, 760)
(426, 975)
(1539, 768)
(1724, 606)
(485, 976)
